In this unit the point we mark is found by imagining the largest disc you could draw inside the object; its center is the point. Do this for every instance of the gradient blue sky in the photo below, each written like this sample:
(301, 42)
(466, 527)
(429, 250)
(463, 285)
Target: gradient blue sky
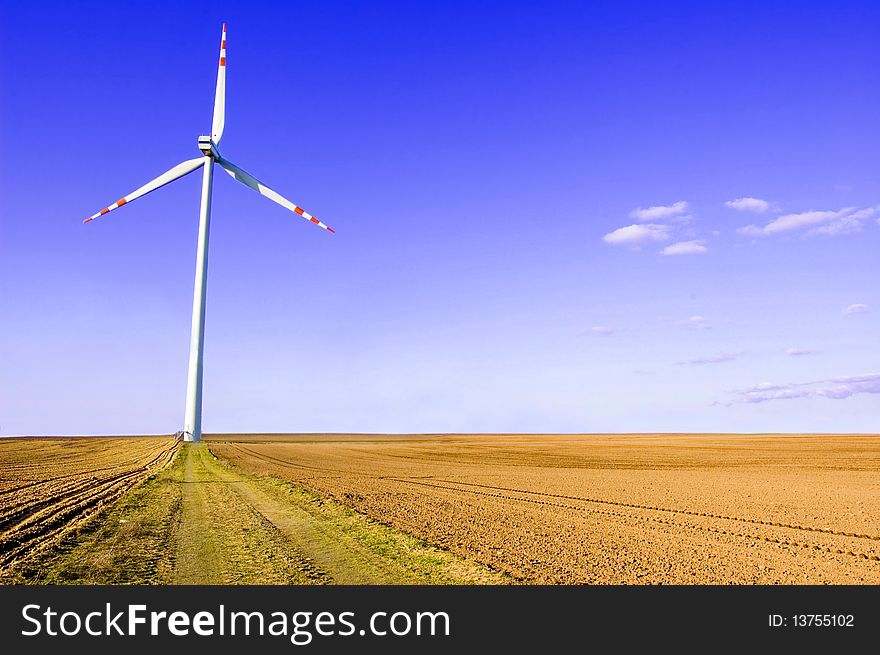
(477, 161)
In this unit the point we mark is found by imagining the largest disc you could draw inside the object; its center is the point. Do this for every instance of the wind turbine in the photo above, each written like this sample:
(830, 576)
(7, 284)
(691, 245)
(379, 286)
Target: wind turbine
(192, 423)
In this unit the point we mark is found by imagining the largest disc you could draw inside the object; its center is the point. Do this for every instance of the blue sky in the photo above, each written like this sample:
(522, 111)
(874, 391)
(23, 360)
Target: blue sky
(550, 217)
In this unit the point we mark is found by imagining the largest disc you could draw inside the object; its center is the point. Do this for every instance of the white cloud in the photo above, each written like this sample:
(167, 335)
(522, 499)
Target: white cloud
(684, 248)
(711, 359)
(800, 352)
(660, 212)
(845, 224)
(635, 235)
(696, 323)
(824, 223)
(857, 308)
(749, 205)
(603, 330)
(833, 388)
(790, 222)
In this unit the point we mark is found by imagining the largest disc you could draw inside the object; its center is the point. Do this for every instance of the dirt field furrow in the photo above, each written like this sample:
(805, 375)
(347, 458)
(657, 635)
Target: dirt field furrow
(683, 525)
(668, 509)
(793, 509)
(63, 491)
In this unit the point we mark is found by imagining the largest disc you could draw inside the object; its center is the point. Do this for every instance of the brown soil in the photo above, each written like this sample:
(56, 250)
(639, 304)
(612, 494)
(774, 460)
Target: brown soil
(49, 486)
(642, 509)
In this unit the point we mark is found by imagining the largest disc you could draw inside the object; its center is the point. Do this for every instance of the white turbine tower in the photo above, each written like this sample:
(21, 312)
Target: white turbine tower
(192, 424)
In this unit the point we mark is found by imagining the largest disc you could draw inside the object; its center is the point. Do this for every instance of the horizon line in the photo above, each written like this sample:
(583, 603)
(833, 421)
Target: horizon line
(423, 434)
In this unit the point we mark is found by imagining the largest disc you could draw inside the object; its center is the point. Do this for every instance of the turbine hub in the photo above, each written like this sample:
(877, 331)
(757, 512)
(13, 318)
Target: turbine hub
(208, 148)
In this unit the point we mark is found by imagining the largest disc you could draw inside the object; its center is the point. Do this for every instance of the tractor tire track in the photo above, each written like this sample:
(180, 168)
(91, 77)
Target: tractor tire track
(776, 524)
(654, 519)
(77, 474)
(44, 519)
(35, 500)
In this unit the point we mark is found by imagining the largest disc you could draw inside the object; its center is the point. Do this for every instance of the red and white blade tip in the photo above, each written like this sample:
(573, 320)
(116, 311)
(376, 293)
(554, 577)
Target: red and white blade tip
(223, 48)
(306, 215)
(115, 205)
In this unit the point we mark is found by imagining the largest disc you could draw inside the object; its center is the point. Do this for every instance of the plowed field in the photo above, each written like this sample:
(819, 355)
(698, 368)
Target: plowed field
(75, 514)
(643, 509)
(48, 486)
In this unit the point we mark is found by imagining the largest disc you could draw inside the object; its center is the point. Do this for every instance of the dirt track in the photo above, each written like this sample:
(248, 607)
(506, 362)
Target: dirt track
(610, 509)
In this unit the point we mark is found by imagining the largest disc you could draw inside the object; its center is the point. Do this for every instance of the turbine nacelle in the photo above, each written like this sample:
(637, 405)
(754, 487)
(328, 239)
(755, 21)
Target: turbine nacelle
(208, 147)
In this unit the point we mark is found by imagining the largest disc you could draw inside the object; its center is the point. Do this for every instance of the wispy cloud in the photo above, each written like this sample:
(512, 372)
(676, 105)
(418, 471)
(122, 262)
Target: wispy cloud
(696, 323)
(833, 388)
(790, 222)
(603, 330)
(845, 224)
(857, 308)
(800, 352)
(684, 248)
(660, 212)
(748, 204)
(711, 359)
(636, 235)
(823, 223)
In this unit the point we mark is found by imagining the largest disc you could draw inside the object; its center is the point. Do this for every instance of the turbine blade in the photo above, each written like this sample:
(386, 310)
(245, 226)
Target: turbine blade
(220, 95)
(249, 180)
(178, 171)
